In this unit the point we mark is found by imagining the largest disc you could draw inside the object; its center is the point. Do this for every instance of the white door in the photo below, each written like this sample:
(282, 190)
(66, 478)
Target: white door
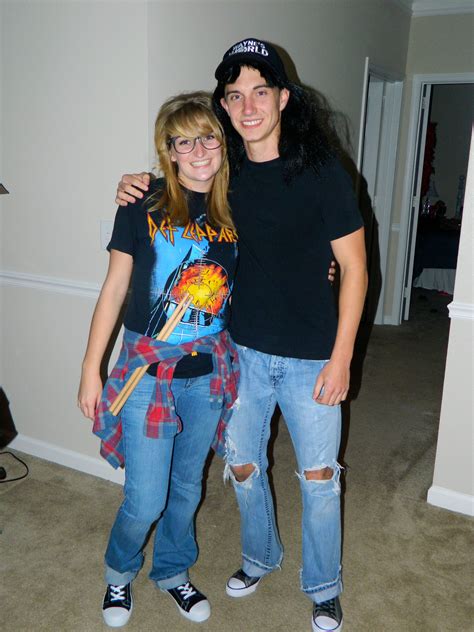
(377, 156)
(368, 197)
(415, 199)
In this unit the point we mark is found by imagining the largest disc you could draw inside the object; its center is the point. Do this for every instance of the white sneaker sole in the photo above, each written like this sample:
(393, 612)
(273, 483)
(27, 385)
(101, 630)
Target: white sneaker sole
(241, 592)
(190, 616)
(120, 622)
(316, 628)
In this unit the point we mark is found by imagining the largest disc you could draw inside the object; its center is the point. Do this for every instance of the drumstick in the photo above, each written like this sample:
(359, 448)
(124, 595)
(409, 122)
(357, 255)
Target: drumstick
(140, 371)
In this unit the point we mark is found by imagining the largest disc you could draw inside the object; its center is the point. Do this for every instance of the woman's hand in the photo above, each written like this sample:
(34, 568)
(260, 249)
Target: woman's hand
(131, 187)
(90, 391)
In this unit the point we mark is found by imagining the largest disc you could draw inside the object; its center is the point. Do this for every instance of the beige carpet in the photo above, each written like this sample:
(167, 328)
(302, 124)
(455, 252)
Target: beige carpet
(407, 565)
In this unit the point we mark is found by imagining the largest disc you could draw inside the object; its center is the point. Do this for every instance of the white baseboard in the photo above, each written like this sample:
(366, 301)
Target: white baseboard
(448, 499)
(388, 320)
(74, 460)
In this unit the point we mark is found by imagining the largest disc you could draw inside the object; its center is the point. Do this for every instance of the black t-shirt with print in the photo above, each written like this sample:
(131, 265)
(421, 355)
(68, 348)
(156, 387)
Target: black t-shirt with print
(168, 260)
(283, 303)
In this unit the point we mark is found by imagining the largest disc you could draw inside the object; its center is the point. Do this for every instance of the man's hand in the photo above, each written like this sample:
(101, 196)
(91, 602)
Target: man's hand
(332, 271)
(332, 385)
(131, 187)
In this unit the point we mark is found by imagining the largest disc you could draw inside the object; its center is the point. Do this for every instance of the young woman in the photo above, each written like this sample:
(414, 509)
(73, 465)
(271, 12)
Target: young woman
(181, 243)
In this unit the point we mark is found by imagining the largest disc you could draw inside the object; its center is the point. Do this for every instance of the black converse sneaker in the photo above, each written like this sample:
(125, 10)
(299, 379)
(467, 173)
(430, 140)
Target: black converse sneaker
(327, 616)
(117, 606)
(241, 584)
(191, 603)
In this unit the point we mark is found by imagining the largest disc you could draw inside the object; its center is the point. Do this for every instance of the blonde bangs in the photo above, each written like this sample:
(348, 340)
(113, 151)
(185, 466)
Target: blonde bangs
(194, 121)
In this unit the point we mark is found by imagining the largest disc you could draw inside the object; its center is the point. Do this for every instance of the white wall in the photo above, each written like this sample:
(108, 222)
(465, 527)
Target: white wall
(74, 116)
(452, 108)
(74, 112)
(327, 42)
(1, 196)
(453, 481)
(82, 83)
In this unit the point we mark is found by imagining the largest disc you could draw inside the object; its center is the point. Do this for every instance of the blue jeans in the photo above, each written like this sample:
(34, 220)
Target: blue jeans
(315, 432)
(163, 482)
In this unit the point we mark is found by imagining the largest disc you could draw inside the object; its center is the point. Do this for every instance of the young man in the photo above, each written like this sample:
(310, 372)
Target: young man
(294, 208)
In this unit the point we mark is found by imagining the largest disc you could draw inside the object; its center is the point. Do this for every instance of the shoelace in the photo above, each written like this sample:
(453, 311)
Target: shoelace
(186, 590)
(329, 606)
(117, 593)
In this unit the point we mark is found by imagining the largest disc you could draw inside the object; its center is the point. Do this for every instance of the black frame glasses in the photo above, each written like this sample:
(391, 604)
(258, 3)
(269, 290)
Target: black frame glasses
(206, 141)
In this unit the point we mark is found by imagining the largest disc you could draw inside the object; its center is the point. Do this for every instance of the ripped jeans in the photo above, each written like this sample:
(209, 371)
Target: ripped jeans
(315, 432)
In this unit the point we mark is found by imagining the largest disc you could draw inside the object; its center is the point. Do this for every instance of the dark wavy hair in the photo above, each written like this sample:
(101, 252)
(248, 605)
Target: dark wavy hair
(309, 136)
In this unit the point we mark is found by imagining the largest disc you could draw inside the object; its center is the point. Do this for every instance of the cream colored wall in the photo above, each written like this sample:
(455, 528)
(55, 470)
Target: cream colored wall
(74, 117)
(437, 44)
(326, 41)
(82, 82)
(75, 101)
(1, 196)
(453, 481)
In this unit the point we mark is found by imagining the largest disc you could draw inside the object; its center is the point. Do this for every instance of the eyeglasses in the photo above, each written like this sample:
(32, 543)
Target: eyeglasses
(183, 145)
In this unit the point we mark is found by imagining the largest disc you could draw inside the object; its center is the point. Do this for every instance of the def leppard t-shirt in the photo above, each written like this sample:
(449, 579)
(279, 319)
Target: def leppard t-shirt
(171, 260)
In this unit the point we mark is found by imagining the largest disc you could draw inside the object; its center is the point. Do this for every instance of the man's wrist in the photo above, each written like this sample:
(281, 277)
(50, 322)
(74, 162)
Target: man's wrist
(340, 356)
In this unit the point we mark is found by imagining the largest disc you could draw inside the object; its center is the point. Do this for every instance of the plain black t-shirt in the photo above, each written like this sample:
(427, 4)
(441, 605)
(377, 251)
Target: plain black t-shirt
(283, 303)
(168, 260)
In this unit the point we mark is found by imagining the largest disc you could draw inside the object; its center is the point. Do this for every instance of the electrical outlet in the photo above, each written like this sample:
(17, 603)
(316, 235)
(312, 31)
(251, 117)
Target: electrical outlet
(106, 227)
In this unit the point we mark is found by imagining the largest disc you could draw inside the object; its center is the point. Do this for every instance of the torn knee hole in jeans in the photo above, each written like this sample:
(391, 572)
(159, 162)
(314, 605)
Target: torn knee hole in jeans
(247, 471)
(241, 474)
(321, 474)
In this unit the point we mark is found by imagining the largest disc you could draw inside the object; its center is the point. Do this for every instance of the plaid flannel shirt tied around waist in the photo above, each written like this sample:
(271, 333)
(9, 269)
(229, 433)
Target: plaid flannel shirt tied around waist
(161, 418)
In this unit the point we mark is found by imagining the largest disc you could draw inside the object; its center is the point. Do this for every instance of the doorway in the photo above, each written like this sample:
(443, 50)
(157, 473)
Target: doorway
(421, 194)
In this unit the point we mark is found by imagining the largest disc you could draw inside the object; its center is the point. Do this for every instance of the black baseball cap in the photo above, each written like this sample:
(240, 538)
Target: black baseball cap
(252, 50)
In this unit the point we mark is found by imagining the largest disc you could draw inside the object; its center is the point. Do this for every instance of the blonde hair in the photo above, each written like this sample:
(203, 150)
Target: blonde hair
(190, 114)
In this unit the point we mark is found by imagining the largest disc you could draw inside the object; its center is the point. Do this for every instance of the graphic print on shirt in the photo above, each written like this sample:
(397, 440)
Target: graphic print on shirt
(202, 253)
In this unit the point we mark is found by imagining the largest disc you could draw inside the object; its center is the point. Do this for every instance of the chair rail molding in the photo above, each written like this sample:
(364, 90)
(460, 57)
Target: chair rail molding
(49, 284)
(461, 311)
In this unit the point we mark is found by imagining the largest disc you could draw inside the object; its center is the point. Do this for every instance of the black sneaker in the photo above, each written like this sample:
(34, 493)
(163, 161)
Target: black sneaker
(117, 606)
(241, 584)
(327, 616)
(191, 603)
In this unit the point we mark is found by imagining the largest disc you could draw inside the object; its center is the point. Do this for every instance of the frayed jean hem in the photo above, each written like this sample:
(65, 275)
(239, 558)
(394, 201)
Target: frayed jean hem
(254, 568)
(172, 582)
(323, 592)
(119, 579)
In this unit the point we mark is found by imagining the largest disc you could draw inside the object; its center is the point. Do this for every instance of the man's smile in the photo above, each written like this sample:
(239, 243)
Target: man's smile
(252, 123)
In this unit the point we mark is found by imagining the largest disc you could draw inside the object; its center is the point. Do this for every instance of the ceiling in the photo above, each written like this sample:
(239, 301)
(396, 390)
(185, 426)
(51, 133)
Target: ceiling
(419, 8)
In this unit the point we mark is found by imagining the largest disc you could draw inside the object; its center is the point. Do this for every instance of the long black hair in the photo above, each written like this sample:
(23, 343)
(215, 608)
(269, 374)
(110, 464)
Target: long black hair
(309, 136)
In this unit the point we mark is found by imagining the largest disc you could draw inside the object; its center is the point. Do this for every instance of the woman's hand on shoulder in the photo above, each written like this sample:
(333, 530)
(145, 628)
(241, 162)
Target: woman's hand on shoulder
(131, 187)
(90, 392)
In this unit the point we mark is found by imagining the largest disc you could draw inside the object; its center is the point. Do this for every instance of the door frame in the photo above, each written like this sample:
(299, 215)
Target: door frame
(387, 159)
(408, 217)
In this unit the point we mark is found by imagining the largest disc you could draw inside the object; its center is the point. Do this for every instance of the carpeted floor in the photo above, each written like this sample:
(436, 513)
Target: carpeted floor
(407, 565)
